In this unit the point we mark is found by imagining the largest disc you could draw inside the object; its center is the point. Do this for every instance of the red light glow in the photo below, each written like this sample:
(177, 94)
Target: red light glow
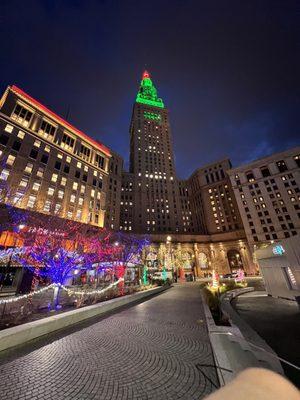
(60, 120)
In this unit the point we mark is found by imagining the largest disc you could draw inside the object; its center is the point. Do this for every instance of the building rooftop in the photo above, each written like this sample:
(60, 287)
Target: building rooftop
(58, 119)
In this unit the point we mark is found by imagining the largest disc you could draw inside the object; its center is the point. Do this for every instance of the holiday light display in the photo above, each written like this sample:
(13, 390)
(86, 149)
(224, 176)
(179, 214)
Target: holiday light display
(147, 93)
(215, 280)
(78, 293)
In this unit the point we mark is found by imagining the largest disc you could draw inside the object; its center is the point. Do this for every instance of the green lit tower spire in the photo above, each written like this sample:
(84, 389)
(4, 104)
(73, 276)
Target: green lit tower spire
(147, 93)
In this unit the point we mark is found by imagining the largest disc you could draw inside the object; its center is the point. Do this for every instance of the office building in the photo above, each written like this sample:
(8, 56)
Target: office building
(267, 192)
(47, 165)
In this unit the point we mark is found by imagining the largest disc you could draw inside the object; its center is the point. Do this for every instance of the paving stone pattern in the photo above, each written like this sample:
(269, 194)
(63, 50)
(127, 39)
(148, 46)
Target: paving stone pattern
(148, 351)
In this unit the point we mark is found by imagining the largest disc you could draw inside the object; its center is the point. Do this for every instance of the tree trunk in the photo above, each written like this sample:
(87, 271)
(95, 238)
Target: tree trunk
(55, 299)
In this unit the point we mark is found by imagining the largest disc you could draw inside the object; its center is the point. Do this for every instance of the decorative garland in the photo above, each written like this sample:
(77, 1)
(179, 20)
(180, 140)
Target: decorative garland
(69, 291)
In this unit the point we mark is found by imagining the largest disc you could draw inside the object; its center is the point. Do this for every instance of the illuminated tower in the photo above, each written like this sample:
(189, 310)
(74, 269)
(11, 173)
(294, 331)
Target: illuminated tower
(155, 193)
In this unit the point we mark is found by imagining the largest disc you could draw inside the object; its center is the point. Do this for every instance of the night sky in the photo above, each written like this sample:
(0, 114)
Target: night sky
(227, 70)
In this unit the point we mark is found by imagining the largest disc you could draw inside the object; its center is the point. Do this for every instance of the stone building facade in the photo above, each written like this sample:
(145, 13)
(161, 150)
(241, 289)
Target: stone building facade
(200, 254)
(267, 192)
(156, 204)
(48, 165)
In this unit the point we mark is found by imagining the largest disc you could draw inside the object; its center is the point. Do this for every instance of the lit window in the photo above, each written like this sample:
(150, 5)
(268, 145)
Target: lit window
(21, 134)
(72, 198)
(80, 201)
(47, 130)
(50, 191)
(75, 185)
(40, 172)
(29, 168)
(86, 169)
(22, 115)
(68, 159)
(31, 201)
(69, 214)
(60, 156)
(4, 174)
(18, 198)
(67, 142)
(24, 182)
(63, 181)
(36, 186)
(95, 173)
(47, 205)
(54, 177)
(78, 214)
(57, 207)
(82, 189)
(78, 164)
(10, 160)
(37, 143)
(9, 128)
(47, 149)
(93, 193)
(60, 194)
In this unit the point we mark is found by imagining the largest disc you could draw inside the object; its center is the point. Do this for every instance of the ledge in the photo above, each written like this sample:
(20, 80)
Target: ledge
(231, 350)
(21, 334)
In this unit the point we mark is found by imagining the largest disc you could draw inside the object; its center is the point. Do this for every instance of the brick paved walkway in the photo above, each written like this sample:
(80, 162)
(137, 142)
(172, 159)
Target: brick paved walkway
(148, 351)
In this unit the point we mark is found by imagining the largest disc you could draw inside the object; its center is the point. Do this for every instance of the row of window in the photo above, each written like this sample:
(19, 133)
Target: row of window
(23, 116)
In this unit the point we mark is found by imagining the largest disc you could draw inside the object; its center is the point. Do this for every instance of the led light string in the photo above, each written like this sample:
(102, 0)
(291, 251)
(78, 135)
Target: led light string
(69, 291)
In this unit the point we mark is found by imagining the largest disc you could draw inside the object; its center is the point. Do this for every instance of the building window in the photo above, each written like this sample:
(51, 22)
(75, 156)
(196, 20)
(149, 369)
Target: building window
(297, 160)
(10, 160)
(60, 194)
(250, 176)
(21, 135)
(31, 201)
(33, 154)
(9, 128)
(16, 145)
(57, 165)
(47, 205)
(24, 182)
(67, 142)
(40, 172)
(3, 139)
(47, 130)
(44, 159)
(265, 172)
(50, 191)
(22, 115)
(99, 161)
(29, 168)
(54, 177)
(281, 166)
(36, 186)
(72, 198)
(4, 174)
(84, 152)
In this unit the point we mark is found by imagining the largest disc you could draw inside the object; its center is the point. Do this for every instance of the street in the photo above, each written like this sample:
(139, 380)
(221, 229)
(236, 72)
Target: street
(147, 351)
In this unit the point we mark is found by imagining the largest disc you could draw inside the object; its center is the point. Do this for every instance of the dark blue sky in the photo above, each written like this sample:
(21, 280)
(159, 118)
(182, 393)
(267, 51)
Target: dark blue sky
(227, 70)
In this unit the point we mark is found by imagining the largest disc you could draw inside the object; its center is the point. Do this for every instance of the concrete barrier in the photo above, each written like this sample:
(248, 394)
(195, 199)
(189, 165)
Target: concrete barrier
(21, 334)
(231, 349)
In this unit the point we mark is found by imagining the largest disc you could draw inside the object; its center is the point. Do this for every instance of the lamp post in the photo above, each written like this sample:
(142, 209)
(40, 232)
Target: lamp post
(168, 244)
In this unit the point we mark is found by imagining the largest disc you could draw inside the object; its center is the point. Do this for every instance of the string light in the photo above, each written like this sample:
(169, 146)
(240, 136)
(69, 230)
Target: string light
(69, 291)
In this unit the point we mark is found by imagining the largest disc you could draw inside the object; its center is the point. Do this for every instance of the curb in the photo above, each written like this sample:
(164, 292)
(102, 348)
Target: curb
(24, 333)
